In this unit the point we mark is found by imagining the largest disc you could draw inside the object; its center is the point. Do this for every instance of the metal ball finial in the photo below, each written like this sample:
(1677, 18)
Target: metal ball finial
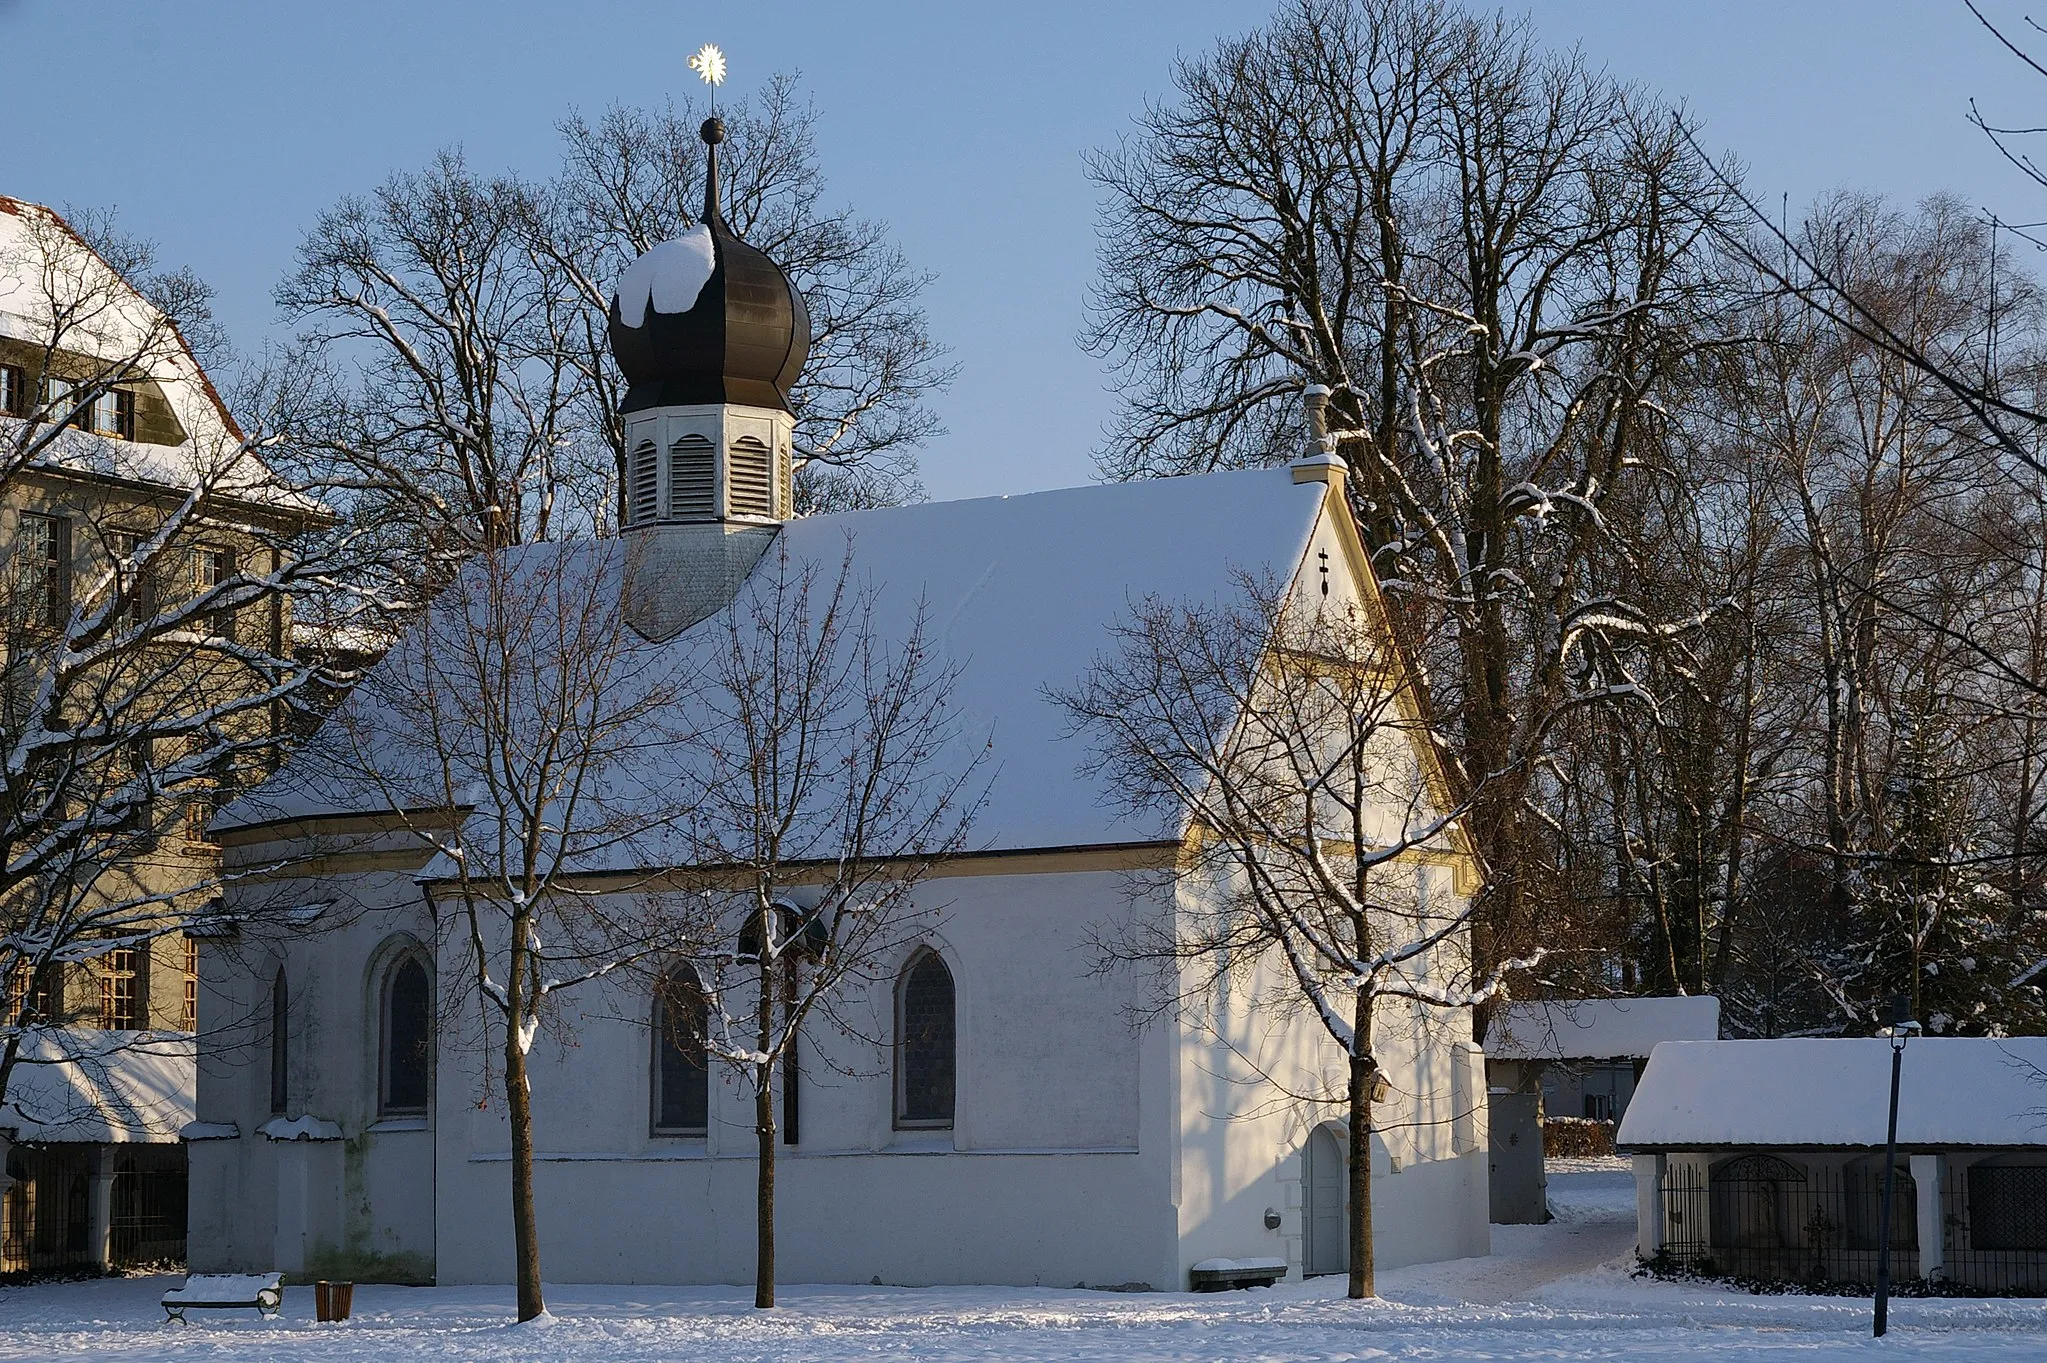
(713, 131)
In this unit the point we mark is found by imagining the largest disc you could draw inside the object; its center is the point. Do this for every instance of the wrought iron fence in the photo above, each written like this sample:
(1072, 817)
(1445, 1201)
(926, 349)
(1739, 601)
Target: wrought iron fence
(147, 1224)
(48, 1209)
(1770, 1219)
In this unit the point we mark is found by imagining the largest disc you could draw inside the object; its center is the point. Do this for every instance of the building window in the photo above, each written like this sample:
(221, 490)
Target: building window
(752, 490)
(210, 568)
(124, 989)
(111, 412)
(188, 1018)
(59, 399)
(408, 1037)
(41, 589)
(134, 584)
(280, 1044)
(682, 1073)
(692, 479)
(926, 1044)
(32, 1004)
(643, 501)
(13, 390)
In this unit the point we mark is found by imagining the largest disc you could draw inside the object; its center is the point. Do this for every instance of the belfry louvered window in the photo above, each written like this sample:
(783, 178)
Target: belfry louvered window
(645, 499)
(692, 479)
(753, 483)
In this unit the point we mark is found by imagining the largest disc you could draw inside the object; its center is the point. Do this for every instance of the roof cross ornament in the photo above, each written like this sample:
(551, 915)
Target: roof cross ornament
(709, 64)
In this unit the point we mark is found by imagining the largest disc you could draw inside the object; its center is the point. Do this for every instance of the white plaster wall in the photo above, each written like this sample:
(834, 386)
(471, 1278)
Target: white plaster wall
(1241, 1139)
(1040, 1181)
(364, 1204)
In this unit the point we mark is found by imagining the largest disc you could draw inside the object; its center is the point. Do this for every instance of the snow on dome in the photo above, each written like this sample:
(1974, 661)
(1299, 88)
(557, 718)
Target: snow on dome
(671, 276)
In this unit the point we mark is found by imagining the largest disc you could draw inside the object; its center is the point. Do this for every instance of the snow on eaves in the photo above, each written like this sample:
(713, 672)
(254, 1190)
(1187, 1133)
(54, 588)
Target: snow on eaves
(1805, 1092)
(1599, 1029)
(1020, 593)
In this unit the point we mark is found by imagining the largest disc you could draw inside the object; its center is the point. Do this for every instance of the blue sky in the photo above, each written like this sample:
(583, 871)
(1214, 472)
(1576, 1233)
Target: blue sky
(221, 127)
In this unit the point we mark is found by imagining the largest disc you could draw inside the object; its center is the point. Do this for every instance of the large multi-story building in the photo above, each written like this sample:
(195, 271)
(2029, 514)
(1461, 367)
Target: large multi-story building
(126, 491)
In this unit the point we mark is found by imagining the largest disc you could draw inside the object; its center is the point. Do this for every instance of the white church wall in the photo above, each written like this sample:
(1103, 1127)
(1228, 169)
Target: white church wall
(1041, 1180)
(1242, 1137)
(361, 1206)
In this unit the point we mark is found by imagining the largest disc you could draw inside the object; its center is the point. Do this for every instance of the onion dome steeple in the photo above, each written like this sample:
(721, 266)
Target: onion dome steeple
(706, 318)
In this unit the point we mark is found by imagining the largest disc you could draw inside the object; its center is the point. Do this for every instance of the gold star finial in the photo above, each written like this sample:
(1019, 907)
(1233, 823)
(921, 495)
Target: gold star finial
(709, 63)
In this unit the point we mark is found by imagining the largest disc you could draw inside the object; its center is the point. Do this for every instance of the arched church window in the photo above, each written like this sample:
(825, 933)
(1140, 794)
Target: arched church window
(280, 1044)
(926, 1044)
(644, 499)
(406, 1053)
(753, 484)
(682, 1075)
(692, 479)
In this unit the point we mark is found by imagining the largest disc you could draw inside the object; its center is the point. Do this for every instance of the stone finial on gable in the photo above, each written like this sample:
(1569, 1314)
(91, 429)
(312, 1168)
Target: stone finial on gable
(1321, 464)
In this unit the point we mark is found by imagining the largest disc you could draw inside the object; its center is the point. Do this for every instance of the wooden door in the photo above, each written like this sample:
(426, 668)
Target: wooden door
(1327, 1190)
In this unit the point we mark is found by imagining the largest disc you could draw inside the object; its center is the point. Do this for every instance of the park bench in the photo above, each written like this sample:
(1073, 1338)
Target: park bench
(1221, 1275)
(221, 1291)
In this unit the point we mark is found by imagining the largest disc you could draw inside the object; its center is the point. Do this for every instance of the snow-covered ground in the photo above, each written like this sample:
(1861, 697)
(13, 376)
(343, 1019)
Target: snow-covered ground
(1555, 1293)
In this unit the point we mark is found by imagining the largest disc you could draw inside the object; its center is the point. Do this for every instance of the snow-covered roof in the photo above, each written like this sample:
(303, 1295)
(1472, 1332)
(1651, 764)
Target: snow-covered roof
(1020, 594)
(128, 331)
(1800, 1092)
(82, 1084)
(1599, 1029)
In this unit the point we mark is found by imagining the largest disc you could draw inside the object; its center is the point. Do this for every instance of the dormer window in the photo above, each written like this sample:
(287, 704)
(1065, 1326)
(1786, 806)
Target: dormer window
(110, 412)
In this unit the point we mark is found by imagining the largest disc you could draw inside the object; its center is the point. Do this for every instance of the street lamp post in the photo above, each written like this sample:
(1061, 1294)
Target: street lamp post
(1900, 1031)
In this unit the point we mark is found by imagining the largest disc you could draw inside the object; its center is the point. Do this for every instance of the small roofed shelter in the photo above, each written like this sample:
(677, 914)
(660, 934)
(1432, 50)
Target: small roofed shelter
(1571, 1058)
(1585, 1055)
(94, 1167)
(1764, 1159)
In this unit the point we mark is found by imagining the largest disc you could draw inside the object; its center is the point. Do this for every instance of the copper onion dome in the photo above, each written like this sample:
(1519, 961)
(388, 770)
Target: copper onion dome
(707, 318)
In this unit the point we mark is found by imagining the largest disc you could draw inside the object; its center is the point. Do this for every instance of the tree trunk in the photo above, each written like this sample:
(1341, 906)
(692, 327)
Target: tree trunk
(525, 1230)
(764, 1188)
(1363, 1277)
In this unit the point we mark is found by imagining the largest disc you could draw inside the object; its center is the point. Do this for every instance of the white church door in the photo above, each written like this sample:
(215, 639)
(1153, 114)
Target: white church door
(1328, 1198)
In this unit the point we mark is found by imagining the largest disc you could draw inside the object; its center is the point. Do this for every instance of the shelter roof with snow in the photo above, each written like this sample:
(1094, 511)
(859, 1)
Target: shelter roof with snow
(83, 1084)
(1599, 1029)
(1833, 1093)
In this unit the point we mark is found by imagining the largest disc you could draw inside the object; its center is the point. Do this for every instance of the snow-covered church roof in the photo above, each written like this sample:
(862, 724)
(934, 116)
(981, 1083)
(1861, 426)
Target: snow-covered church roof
(1806, 1093)
(1020, 594)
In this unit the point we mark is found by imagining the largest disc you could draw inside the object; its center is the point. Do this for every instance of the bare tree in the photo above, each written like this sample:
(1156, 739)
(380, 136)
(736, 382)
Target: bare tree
(150, 569)
(833, 776)
(1284, 736)
(510, 732)
(431, 392)
(1492, 256)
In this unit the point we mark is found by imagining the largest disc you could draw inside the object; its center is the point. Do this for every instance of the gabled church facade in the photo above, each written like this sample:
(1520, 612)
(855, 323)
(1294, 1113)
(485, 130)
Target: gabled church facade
(1013, 1126)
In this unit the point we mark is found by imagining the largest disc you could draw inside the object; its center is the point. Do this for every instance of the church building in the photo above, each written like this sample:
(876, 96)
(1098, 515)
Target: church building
(1030, 1132)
